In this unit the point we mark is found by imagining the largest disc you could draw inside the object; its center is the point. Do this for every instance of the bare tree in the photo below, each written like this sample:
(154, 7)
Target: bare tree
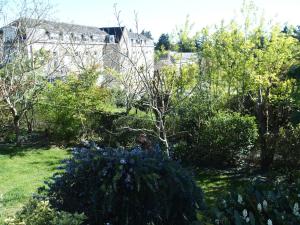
(24, 70)
(164, 88)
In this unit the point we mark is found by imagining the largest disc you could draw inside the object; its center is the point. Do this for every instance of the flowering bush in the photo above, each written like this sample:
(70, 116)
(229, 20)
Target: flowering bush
(118, 187)
(259, 204)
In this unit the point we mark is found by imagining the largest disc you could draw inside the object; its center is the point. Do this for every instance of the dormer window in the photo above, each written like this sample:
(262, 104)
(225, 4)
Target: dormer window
(48, 34)
(83, 38)
(92, 38)
(61, 36)
(72, 36)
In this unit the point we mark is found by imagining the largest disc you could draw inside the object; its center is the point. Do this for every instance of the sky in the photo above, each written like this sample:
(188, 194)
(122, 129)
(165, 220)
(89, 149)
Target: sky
(162, 16)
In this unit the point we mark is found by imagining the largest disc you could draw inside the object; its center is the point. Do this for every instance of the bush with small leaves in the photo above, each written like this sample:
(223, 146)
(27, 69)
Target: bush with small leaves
(119, 187)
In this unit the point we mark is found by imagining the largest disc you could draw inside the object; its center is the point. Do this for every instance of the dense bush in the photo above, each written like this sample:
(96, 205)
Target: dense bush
(288, 146)
(68, 107)
(41, 213)
(226, 139)
(259, 204)
(125, 187)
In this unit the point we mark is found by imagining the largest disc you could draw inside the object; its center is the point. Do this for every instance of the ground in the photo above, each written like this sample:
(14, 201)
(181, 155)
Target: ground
(22, 171)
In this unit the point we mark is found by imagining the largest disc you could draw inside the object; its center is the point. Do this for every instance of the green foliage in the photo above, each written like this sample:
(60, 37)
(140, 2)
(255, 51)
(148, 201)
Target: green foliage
(68, 106)
(125, 135)
(163, 42)
(225, 139)
(250, 63)
(121, 187)
(41, 213)
(185, 42)
(229, 137)
(259, 204)
(288, 146)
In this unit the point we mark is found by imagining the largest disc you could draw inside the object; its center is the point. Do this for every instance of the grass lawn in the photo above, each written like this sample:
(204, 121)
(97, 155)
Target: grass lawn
(22, 171)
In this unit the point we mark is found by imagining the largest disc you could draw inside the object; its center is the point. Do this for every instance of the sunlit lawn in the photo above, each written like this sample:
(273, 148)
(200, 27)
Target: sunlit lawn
(22, 171)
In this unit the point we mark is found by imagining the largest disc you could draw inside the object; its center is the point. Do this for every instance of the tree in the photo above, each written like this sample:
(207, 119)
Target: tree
(147, 34)
(252, 64)
(163, 42)
(22, 73)
(68, 107)
(185, 42)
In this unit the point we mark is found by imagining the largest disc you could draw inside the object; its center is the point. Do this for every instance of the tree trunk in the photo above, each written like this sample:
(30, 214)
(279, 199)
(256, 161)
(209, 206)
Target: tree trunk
(29, 122)
(17, 130)
(266, 151)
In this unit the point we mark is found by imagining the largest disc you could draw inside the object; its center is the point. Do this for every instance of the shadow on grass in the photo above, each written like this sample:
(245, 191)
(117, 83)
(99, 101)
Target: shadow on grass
(53, 163)
(12, 150)
(217, 182)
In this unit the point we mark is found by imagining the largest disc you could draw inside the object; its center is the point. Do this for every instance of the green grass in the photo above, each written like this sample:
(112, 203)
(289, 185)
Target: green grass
(22, 171)
(215, 183)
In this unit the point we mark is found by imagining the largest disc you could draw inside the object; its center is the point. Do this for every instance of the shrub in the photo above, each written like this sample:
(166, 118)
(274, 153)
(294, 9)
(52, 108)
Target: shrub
(125, 187)
(68, 107)
(41, 213)
(229, 137)
(226, 139)
(288, 146)
(260, 204)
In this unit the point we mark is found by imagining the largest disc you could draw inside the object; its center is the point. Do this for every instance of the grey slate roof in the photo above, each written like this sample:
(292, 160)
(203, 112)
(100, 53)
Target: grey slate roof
(57, 27)
(116, 31)
(137, 36)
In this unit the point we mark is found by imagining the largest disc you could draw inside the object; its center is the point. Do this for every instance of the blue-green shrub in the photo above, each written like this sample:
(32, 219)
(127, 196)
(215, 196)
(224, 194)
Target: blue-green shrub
(125, 187)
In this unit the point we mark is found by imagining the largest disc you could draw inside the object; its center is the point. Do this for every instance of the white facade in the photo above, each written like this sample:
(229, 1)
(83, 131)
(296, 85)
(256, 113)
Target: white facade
(74, 47)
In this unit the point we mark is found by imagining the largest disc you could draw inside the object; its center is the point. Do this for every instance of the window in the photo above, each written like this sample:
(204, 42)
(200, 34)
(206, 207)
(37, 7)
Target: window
(48, 34)
(72, 36)
(131, 41)
(83, 37)
(92, 38)
(61, 36)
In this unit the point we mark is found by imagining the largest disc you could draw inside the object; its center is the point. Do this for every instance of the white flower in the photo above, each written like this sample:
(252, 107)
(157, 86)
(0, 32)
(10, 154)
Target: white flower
(217, 221)
(265, 205)
(240, 199)
(123, 161)
(270, 222)
(259, 207)
(296, 209)
(245, 213)
(247, 220)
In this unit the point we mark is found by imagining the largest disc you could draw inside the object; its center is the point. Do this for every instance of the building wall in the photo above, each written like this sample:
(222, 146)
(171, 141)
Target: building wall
(73, 51)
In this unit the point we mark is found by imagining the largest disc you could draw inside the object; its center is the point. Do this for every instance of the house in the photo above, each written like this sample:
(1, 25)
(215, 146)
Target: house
(177, 59)
(74, 47)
